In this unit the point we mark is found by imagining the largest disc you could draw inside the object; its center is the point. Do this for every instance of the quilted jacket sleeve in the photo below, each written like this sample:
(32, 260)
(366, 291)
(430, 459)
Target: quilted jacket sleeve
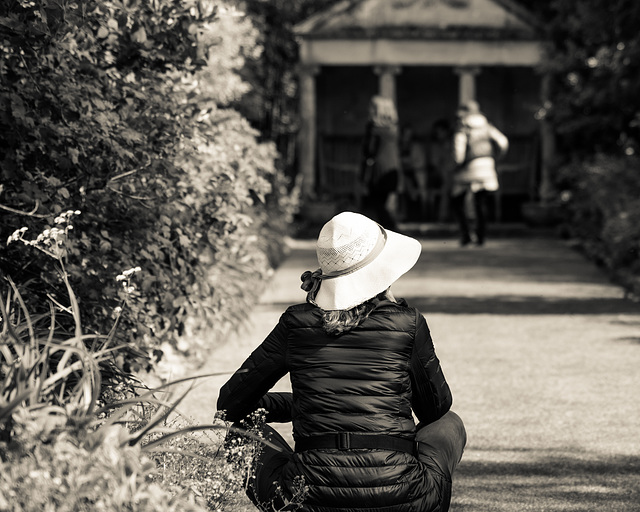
(431, 396)
(245, 391)
(278, 407)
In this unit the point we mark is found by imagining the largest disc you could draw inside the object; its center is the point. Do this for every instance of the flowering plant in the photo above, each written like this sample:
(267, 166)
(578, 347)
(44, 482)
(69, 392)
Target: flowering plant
(87, 442)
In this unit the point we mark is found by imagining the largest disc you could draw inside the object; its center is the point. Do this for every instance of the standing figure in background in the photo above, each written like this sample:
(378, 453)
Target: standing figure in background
(414, 171)
(380, 175)
(477, 144)
(441, 165)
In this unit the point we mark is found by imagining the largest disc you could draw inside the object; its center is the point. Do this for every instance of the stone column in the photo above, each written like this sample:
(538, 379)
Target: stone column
(387, 81)
(307, 133)
(467, 83)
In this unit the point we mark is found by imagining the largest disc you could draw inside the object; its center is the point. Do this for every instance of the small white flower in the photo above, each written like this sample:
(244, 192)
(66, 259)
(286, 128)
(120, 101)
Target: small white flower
(129, 272)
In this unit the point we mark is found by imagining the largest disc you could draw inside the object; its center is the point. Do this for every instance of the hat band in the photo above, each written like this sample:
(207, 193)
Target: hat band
(375, 252)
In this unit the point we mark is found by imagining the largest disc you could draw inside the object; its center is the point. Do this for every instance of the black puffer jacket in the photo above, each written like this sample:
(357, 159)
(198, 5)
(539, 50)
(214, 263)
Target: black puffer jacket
(365, 381)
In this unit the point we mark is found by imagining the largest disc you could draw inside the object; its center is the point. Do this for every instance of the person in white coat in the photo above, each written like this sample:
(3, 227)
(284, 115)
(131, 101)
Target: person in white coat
(477, 145)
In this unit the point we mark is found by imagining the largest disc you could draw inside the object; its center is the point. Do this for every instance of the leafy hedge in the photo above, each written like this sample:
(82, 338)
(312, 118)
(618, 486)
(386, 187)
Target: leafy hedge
(592, 59)
(602, 212)
(593, 55)
(72, 440)
(120, 110)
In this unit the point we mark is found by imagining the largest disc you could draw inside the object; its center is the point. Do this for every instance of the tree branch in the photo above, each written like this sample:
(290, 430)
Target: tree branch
(32, 213)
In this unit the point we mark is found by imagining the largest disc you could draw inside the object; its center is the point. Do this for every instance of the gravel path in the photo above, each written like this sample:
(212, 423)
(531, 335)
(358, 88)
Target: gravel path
(542, 354)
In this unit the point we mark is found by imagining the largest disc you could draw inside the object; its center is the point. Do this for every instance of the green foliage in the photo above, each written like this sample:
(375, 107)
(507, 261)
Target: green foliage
(594, 57)
(600, 201)
(272, 102)
(210, 467)
(88, 447)
(71, 473)
(120, 110)
(51, 374)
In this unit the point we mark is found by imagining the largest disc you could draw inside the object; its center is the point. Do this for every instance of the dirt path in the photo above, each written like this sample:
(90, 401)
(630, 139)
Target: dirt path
(543, 357)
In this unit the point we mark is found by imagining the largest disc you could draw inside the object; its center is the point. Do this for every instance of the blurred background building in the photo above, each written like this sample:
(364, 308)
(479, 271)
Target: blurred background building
(428, 56)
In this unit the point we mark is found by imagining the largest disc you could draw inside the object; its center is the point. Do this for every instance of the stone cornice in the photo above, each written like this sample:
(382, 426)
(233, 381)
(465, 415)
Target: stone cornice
(424, 33)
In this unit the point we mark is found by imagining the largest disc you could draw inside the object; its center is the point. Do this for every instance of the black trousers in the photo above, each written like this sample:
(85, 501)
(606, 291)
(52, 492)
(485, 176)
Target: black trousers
(479, 200)
(378, 196)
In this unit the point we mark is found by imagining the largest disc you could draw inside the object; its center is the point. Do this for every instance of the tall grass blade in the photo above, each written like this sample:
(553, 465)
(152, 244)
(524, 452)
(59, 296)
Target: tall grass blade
(7, 410)
(157, 418)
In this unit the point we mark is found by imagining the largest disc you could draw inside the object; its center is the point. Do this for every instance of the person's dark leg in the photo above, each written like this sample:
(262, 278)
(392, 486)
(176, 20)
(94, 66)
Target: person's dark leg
(268, 466)
(377, 196)
(442, 442)
(458, 207)
(440, 447)
(384, 186)
(480, 205)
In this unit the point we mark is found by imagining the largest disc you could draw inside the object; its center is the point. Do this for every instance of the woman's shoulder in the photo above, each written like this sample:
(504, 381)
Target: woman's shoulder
(398, 312)
(302, 306)
(410, 313)
(399, 304)
(303, 314)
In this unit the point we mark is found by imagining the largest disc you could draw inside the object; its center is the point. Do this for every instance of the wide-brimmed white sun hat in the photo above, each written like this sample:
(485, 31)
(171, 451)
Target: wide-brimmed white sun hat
(358, 260)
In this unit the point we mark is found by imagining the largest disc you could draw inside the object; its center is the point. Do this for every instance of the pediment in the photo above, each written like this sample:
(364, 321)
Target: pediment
(421, 19)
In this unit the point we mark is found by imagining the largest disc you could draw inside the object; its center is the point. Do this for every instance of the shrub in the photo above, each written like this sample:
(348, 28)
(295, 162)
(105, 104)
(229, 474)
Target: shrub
(71, 473)
(600, 201)
(122, 111)
(594, 105)
(83, 443)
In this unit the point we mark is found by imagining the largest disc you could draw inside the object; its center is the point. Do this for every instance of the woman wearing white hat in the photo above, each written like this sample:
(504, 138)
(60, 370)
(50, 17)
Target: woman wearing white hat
(362, 364)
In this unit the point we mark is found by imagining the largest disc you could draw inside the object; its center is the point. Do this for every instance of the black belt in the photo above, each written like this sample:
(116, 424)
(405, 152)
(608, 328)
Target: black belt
(347, 441)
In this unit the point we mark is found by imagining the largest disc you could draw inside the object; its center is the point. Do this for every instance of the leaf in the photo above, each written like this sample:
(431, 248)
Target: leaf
(146, 254)
(132, 136)
(18, 108)
(99, 103)
(103, 32)
(139, 36)
(74, 154)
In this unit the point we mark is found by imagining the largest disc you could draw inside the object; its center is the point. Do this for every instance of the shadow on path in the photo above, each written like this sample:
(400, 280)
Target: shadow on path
(548, 482)
(523, 305)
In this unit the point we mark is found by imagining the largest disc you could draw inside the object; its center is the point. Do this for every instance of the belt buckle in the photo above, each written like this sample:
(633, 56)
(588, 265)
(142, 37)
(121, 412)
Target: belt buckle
(344, 442)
